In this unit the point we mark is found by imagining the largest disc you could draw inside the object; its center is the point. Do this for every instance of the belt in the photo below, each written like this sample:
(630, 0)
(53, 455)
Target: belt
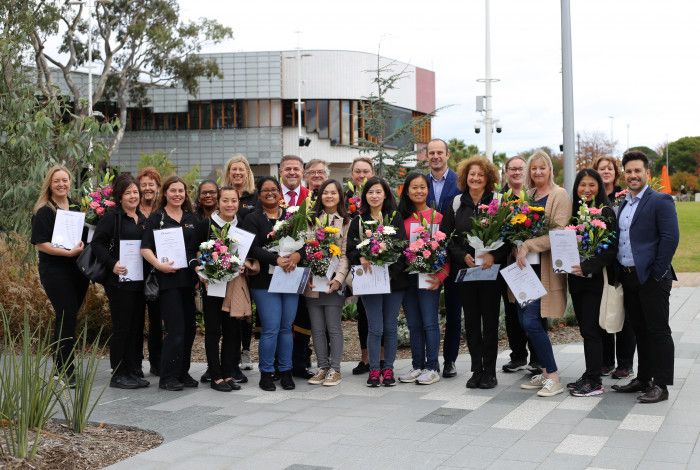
(628, 269)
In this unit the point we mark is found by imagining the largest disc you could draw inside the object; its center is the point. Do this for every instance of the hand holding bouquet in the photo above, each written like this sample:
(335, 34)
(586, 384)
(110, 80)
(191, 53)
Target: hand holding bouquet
(487, 232)
(380, 245)
(322, 248)
(97, 200)
(592, 232)
(428, 253)
(289, 233)
(218, 257)
(526, 221)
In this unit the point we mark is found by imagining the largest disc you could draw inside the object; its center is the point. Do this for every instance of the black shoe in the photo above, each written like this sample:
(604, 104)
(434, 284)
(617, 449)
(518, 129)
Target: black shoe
(143, 383)
(137, 373)
(232, 383)
(655, 394)
(155, 371)
(535, 368)
(267, 383)
(302, 374)
(474, 380)
(276, 375)
(188, 381)
(577, 384)
(124, 381)
(605, 370)
(514, 366)
(488, 381)
(360, 368)
(449, 370)
(635, 385)
(206, 377)
(222, 386)
(239, 377)
(171, 386)
(286, 380)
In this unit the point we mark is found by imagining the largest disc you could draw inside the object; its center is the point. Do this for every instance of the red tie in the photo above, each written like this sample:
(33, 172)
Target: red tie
(292, 198)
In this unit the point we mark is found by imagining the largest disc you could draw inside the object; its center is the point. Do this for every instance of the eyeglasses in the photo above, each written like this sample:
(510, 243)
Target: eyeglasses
(516, 170)
(270, 191)
(316, 173)
(208, 193)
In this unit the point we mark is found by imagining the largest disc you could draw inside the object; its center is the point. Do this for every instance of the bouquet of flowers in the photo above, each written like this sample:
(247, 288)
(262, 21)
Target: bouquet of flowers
(428, 253)
(619, 197)
(97, 200)
(380, 245)
(488, 227)
(218, 259)
(354, 201)
(525, 221)
(289, 234)
(592, 231)
(322, 248)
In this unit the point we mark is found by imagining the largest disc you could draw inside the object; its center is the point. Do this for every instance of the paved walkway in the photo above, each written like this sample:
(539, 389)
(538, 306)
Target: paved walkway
(442, 426)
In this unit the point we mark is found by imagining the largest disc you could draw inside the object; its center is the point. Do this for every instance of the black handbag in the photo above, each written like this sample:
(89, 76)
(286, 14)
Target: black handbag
(90, 266)
(151, 287)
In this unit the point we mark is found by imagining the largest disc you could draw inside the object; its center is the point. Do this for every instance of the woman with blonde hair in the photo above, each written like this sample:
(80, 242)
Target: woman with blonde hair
(237, 173)
(542, 191)
(60, 277)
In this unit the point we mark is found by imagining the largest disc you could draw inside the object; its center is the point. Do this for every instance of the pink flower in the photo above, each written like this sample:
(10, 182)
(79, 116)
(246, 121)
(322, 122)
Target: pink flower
(100, 211)
(94, 194)
(374, 249)
(426, 254)
(420, 243)
(622, 193)
(107, 190)
(380, 229)
(599, 224)
(215, 256)
(382, 246)
(581, 227)
(368, 233)
(525, 209)
(223, 249)
(418, 229)
(434, 245)
(414, 246)
(483, 207)
(94, 204)
(595, 210)
(110, 203)
(579, 237)
(439, 236)
(570, 227)
(493, 207)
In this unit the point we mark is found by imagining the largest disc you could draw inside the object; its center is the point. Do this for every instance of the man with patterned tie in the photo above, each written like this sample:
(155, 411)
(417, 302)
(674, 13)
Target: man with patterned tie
(291, 171)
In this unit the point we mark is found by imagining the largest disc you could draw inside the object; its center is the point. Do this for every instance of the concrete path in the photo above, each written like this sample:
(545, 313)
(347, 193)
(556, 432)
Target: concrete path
(442, 426)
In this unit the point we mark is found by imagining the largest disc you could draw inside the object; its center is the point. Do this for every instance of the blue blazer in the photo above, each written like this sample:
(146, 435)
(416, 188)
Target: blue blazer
(654, 236)
(449, 191)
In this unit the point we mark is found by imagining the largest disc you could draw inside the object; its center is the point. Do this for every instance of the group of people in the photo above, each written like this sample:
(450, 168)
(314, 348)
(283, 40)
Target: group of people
(640, 257)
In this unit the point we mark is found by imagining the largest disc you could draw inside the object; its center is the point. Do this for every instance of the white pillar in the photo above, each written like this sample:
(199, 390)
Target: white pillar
(567, 97)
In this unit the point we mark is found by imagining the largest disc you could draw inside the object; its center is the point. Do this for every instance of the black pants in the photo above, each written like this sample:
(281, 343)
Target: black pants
(481, 301)
(155, 334)
(178, 314)
(301, 330)
(453, 320)
(126, 307)
(220, 327)
(65, 287)
(621, 345)
(246, 328)
(517, 338)
(647, 306)
(586, 304)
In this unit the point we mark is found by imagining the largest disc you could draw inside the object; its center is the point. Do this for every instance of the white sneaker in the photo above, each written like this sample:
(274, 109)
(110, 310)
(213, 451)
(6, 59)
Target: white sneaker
(333, 377)
(536, 382)
(428, 377)
(550, 388)
(410, 376)
(246, 363)
(318, 377)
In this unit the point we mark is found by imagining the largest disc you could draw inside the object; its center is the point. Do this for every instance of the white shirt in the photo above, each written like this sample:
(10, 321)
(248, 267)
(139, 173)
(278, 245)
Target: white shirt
(287, 197)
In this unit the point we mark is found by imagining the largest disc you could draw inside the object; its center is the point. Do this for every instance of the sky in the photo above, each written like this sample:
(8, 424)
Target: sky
(634, 60)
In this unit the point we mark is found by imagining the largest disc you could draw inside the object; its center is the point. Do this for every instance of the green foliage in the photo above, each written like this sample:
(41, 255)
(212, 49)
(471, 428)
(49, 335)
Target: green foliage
(160, 161)
(689, 180)
(349, 311)
(683, 155)
(459, 151)
(687, 257)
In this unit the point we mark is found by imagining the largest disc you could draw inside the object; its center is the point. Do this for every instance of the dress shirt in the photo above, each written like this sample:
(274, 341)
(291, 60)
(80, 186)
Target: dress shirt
(287, 197)
(438, 184)
(624, 253)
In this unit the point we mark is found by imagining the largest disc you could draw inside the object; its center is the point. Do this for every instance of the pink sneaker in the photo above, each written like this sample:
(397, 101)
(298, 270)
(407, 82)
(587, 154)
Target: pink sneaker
(388, 377)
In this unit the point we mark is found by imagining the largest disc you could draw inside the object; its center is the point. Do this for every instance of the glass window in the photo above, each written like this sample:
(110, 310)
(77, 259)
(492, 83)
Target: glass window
(398, 117)
(345, 123)
(251, 119)
(264, 113)
(160, 121)
(239, 114)
(334, 121)
(147, 119)
(287, 113)
(205, 115)
(322, 119)
(276, 111)
(311, 116)
(194, 115)
(228, 114)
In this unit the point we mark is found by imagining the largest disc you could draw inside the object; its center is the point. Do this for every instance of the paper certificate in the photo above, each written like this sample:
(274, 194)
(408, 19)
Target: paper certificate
(524, 283)
(293, 282)
(332, 268)
(367, 283)
(68, 229)
(320, 284)
(564, 250)
(413, 236)
(216, 289)
(170, 246)
(423, 280)
(130, 258)
(478, 274)
(245, 240)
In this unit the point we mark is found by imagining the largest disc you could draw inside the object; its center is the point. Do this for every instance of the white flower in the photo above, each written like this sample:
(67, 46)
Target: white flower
(389, 230)
(232, 238)
(292, 209)
(364, 242)
(370, 222)
(208, 245)
(278, 225)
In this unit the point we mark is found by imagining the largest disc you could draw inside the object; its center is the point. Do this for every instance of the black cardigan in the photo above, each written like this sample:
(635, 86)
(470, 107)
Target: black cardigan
(594, 266)
(397, 271)
(106, 231)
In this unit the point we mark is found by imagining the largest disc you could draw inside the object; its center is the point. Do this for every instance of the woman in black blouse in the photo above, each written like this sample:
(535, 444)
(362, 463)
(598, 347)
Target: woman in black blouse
(60, 277)
(176, 285)
(126, 299)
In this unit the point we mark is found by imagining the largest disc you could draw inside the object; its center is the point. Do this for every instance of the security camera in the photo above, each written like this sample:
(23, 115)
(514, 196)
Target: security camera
(477, 128)
(304, 141)
(499, 129)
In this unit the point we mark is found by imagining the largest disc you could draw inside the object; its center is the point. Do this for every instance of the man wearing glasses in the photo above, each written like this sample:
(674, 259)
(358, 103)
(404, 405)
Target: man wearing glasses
(315, 174)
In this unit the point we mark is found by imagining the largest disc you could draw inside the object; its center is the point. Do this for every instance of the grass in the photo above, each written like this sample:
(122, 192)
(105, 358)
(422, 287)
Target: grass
(687, 258)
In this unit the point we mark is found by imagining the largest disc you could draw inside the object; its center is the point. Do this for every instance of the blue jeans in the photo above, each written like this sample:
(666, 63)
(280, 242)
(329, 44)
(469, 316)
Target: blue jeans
(382, 318)
(531, 321)
(453, 321)
(421, 309)
(276, 313)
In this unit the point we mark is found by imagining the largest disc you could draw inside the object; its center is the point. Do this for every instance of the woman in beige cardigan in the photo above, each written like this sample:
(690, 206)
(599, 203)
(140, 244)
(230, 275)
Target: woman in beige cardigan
(326, 308)
(557, 209)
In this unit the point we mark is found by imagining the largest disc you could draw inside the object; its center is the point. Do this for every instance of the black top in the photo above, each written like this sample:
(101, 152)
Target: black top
(42, 230)
(459, 224)
(594, 266)
(611, 196)
(194, 232)
(106, 234)
(397, 271)
(247, 204)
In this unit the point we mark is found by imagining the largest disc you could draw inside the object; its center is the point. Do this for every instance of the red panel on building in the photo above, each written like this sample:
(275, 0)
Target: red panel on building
(425, 90)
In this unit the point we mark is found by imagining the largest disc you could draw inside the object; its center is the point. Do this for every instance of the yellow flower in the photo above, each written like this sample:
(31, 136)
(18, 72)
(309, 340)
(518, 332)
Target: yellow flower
(518, 219)
(332, 230)
(515, 201)
(537, 208)
(334, 250)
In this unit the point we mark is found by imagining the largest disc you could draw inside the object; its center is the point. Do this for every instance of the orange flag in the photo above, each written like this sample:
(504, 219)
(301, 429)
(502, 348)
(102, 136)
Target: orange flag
(665, 181)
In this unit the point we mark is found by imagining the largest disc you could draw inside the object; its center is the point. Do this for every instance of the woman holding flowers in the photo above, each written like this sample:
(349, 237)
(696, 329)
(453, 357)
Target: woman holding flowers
(543, 192)
(477, 178)
(591, 216)
(64, 284)
(426, 250)
(175, 285)
(325, 253)
(377, 237)
(276, 311)
(126, 299)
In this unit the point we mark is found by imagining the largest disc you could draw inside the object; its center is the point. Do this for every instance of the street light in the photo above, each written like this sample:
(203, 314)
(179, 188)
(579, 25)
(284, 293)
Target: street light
(303, 141)
(484, 102)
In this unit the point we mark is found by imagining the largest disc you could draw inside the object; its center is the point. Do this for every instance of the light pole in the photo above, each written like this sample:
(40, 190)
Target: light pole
(488, 120)
(303, 141)
(567, 81)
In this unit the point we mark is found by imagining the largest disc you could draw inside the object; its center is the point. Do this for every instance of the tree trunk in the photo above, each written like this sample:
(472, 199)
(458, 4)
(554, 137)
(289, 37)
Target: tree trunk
(122, 126)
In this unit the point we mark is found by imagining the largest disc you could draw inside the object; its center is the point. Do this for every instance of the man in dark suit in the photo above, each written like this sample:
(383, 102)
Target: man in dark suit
(648, 237)
(442, 191)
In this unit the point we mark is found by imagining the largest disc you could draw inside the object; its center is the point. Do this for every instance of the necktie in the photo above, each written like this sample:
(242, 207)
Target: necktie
(292, 198)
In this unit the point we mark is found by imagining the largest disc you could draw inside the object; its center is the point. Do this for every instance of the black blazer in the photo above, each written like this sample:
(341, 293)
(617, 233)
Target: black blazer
(397, 271)
(594, 266)
(106, 234)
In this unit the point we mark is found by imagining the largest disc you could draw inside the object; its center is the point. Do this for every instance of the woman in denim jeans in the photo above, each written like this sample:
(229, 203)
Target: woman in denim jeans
(275, 311)
(382, 309)
(421, 305)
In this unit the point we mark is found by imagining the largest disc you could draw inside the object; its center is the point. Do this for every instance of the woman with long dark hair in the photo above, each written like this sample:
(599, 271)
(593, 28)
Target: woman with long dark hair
(586, 284)
(206, 199)
(176, 285)
(126, 299)
(378, 205)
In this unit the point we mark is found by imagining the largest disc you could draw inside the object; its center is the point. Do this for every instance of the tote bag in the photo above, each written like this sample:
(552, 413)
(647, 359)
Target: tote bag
(612, 309)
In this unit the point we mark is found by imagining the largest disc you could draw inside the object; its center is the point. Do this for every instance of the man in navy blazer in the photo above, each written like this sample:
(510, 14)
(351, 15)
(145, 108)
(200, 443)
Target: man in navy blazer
(442, 190)
(648, 237)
